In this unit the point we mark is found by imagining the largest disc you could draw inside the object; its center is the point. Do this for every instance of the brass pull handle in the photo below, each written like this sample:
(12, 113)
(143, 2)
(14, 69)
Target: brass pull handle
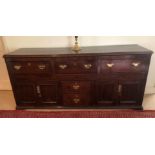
(87, 66)
(135, 64)
(110, 65)
(17, 67)
(38, 91)
(41, 67)
(76, 100)
(62, 66)
(119, 89)
(76, 86)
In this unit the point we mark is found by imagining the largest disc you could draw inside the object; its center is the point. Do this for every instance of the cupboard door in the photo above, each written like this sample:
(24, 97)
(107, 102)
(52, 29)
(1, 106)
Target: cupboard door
(47, 93)
(25, 94)
(130, 92)
(106, 93)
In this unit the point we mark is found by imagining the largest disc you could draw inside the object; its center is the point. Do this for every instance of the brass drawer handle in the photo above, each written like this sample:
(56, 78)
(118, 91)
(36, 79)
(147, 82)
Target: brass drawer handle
(135, 64)
(120, 90)
(17, 67)
(76, 86)
(62, 66)
(76, 100)
(41, 67)
(87, 66)
(110, 65)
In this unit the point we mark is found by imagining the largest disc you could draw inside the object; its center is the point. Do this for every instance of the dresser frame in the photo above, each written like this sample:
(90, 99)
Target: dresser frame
(98, 77)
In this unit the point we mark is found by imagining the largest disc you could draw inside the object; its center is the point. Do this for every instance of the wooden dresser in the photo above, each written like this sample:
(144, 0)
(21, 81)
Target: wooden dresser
(97, 77)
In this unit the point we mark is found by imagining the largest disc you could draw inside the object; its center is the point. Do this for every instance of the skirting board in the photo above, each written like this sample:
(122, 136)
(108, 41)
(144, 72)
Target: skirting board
(5, 85)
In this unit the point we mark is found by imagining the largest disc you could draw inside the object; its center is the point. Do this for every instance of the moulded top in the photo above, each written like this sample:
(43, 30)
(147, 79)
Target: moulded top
(92, 50)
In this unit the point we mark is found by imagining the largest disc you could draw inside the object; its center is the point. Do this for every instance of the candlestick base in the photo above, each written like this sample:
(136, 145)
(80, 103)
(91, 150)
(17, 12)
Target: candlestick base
(76, 47)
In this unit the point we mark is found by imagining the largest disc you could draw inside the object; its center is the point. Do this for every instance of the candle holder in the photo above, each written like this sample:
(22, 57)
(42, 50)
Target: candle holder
(76, 47)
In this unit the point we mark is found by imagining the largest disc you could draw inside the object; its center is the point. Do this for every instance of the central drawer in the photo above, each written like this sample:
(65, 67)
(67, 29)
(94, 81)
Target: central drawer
(75, 65)
(76, 86)
(76, 93)
(76, 100)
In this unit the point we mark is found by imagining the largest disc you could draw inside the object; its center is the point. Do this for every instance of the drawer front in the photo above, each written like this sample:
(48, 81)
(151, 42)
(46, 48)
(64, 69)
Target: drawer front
(75, 65)
(30, 67)
(76, 100)
(76, 86)
(123, 64)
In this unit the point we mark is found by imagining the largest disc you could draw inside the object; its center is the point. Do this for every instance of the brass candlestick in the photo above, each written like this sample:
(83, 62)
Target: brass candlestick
(76, 47)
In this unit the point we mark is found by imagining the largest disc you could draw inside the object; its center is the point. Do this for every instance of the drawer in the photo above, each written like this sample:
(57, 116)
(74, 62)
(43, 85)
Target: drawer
(75, 65)
(76, 86)
(76, 100)
(30, 67)
(120, 64)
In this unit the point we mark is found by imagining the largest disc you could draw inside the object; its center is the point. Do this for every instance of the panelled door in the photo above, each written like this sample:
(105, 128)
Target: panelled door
(119, 93)
(47, 93)
(130, 92)
(106, 92)
(33, 94)
(25, 94)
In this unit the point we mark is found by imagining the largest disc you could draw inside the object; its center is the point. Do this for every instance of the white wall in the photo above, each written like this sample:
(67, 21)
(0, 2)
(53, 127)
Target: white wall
(13, 43)
(4, 79)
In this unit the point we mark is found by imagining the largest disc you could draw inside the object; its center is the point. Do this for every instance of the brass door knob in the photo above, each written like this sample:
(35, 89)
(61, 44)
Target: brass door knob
(17, 67)
(62, 66)
(135, 64)
(110, 65)
(38, 91)
(119, 88)
(87, 66)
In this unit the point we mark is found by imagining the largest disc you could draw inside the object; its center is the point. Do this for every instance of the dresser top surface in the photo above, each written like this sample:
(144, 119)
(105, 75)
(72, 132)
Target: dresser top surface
(92, 50)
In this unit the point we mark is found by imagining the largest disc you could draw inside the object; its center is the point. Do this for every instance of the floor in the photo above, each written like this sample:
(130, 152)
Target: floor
(7, 101)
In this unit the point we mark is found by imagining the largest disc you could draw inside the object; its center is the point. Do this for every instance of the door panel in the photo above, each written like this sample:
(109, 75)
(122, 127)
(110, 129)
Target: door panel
(131, 92)
(47, 92)
(106, 93)
(25, 94)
